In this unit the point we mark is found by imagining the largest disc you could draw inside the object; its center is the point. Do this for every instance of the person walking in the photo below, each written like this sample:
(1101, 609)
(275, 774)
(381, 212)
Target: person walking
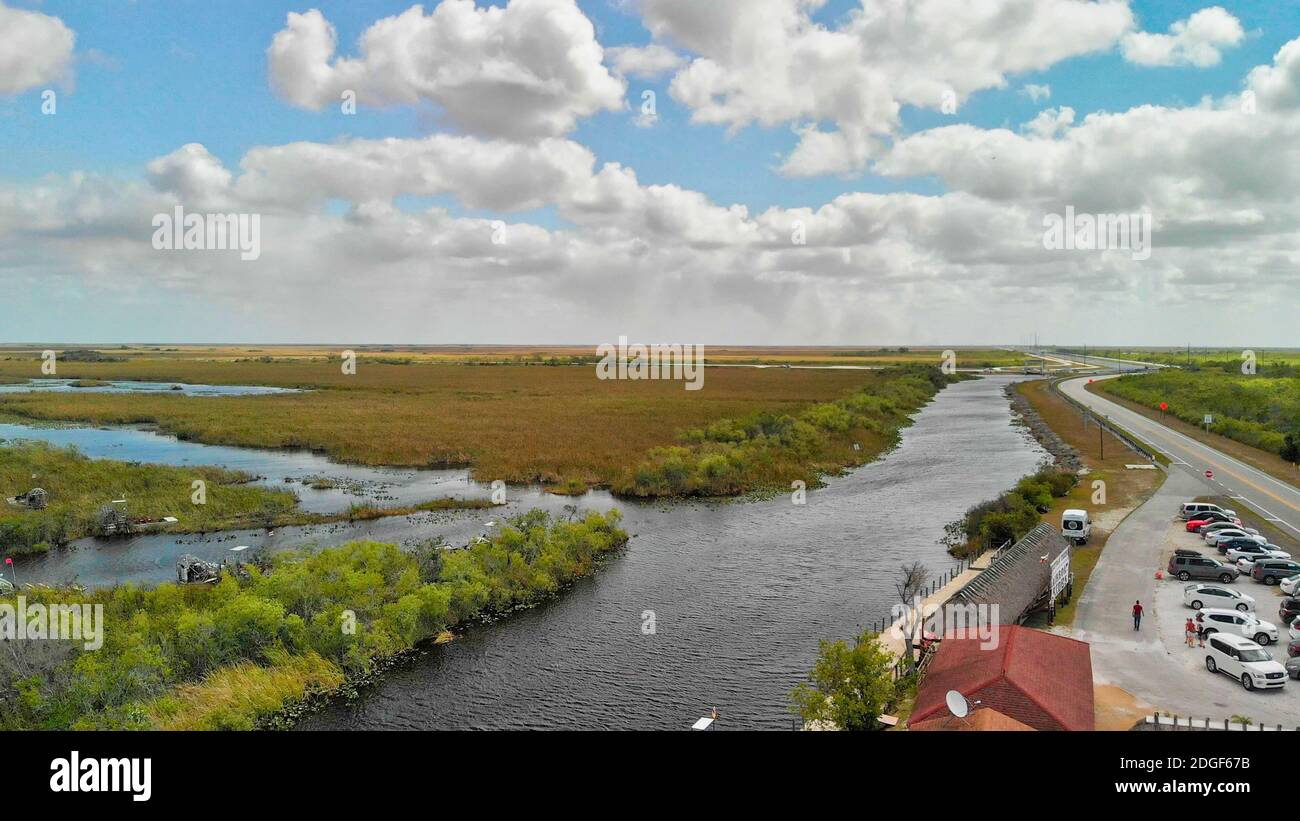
(1190, 630)
(1200, 628)
(1137, 615)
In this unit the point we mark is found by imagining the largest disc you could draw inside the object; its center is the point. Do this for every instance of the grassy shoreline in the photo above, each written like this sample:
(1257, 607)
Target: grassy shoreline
(236, 654)
(558, 427)
(78, 487)
(765, 452)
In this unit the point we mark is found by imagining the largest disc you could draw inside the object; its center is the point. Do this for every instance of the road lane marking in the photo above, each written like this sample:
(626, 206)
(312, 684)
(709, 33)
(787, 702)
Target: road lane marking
(1151, 428)
(1154, 427)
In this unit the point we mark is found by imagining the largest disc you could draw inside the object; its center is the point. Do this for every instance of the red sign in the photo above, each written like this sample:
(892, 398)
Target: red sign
(1209, 474)
(1164, 406)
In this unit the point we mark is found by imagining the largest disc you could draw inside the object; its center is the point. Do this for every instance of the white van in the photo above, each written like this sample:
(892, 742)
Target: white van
(1245, 661)
(1188, 510)
(1076, 526)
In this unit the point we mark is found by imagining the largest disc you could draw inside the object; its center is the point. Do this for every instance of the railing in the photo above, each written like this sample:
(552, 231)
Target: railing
(1173, 723)
(938, 583)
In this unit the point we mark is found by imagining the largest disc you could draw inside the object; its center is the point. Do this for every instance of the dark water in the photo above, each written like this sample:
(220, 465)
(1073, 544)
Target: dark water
(740, 591)
(740, 594)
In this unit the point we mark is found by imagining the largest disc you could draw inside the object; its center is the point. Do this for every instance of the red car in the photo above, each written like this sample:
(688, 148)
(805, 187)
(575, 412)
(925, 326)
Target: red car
(1195, 525)
(1293, 649)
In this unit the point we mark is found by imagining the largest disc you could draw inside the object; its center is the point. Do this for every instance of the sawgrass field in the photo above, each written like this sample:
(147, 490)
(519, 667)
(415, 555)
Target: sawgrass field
(559, 426)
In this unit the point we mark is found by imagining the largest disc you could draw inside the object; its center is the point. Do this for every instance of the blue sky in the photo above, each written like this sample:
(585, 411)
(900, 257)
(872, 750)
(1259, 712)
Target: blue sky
(156, 74)
(151, 76)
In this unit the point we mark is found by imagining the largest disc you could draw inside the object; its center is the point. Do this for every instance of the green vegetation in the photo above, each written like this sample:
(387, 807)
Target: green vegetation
(851, 687)
(357, 513)
(557, 426)
(1010, 516)
(88, 383)
(78, 487)
(1257, 410)
(1275, 362)
(87, 355)
(230, 655)
(767, 451)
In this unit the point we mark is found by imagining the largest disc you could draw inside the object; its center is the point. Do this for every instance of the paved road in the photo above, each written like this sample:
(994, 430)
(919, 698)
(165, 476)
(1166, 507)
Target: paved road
(1277, 501)
(1154, 664)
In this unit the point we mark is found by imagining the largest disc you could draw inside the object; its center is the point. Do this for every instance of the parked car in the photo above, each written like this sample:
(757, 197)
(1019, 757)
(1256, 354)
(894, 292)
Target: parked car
(1195, 525)
(1236, 623)
(1293, 648)
(1256, 551)
(1224, 545)
(1290, 585)
(1293, 667)
(1288, 609)
(1196, 596)
(1213, 537)
(1217, 526)
(1187, 568)
(1187, 509)
(1076, 526)
(1294, 631)
(1245, 661)
(1272, 571)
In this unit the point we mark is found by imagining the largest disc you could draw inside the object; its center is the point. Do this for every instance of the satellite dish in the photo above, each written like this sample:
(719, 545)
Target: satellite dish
(957, 704)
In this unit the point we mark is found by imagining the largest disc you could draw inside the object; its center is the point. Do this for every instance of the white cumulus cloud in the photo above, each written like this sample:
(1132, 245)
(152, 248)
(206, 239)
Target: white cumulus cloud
(531, 69)
(1197, 41)
(35, 50)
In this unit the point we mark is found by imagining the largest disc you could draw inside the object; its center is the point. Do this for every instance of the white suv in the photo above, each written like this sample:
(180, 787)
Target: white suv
(1245, 661)
(1236, 623)
(1196, 596)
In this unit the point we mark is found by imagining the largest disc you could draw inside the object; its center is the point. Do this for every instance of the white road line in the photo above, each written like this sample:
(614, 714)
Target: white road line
(1151, 428)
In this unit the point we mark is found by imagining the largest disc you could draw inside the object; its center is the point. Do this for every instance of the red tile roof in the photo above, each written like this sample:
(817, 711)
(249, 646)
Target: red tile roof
(982, 718)
(1037, 678)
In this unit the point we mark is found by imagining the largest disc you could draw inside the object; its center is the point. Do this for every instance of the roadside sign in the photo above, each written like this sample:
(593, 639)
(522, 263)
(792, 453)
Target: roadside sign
(1060, 573)
(1164, 406)
(1209, 419)
(1209, 474)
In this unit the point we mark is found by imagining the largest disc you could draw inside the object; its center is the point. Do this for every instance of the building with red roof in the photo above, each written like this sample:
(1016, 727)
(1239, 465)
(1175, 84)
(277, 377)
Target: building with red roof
(1038, 679)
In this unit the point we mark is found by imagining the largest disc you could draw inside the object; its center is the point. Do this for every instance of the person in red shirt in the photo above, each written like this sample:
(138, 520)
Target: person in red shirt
(1190, 630)
(1137, 615)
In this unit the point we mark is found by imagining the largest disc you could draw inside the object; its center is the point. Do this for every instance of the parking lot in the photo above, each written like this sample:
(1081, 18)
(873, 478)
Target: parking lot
(1155, 665)
(1223, 696)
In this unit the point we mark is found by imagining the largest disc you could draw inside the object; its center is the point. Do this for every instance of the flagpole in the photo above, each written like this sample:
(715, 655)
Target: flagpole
(9, 561)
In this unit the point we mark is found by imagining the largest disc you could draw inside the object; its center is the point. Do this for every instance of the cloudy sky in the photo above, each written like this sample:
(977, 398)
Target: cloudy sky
(854, 172)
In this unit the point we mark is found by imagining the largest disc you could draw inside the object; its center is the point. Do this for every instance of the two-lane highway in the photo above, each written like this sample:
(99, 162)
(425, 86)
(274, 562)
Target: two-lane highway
(1274, 499)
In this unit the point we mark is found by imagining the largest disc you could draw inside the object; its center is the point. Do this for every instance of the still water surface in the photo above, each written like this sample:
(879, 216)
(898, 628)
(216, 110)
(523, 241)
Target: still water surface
(740, 592)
